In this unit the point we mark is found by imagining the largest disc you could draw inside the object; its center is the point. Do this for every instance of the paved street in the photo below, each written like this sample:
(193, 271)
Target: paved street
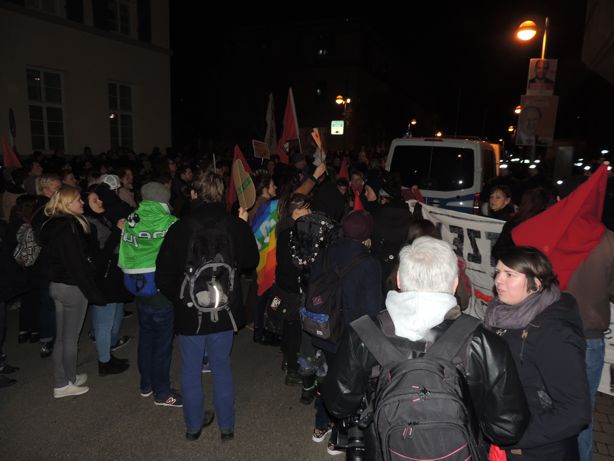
(112, 421)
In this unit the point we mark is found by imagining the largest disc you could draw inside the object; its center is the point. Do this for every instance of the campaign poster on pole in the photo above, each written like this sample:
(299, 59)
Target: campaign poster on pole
(537, 120)
(541, 77)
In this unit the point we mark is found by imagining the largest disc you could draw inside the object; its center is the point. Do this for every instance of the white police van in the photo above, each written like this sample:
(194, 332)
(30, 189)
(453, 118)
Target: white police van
(450, 172)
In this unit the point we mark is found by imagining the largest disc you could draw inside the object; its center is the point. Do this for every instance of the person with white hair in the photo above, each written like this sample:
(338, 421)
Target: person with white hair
(414, 319)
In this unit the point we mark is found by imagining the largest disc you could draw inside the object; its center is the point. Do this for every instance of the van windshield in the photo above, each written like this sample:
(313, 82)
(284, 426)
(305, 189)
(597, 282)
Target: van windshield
(441, 168)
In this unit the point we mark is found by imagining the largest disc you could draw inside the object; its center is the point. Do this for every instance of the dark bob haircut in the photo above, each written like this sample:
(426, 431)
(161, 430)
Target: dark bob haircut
(532, 263)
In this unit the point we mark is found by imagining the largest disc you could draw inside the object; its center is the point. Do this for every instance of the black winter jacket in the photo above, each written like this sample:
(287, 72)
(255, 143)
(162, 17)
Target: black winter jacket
(171, 262)
(499, 404)
(361, 291)
(286, 273)
(550, 358)
(66, 256)
(109, 277)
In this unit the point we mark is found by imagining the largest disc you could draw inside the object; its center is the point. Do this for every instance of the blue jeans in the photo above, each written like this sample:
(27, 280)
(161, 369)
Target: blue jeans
(595, 354)
(218, 347)
(107, 321)
(155, 348)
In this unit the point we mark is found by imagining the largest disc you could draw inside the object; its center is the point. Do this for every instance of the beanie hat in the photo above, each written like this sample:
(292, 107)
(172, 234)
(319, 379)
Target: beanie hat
(111, 180)
(155, 192)
(357, 225)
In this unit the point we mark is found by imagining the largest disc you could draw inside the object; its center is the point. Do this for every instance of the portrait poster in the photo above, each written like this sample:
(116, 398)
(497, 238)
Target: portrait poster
(537, 120)
(541, 77)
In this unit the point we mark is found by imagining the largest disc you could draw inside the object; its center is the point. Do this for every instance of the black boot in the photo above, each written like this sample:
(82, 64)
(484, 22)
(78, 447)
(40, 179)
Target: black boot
(111, 368)
(118, 360)
(310, 389)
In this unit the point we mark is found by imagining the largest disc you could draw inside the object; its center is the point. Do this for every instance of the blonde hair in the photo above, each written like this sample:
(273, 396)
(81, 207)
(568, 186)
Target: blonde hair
(209, 187)
(59, 204)
(44, 181)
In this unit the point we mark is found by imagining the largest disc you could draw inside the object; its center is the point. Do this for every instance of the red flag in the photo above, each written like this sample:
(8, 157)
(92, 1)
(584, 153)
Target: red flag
(290, 129)
(231, 193)
(569, 230)
(357, 202)
(10, 159)
(344, 171)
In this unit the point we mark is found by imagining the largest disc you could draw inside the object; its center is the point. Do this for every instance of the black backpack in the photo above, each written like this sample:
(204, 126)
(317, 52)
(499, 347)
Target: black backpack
(322, 315)
(419, 409)
(209, 274)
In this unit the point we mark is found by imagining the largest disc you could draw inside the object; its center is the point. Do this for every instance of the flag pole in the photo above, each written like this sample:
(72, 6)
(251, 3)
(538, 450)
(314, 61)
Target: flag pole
(298, 134)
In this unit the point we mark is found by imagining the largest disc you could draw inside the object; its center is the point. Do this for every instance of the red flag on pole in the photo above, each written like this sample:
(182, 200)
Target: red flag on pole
(290, 129)
(10, 159)
(231, 193)
(344, 171)
(569, 230)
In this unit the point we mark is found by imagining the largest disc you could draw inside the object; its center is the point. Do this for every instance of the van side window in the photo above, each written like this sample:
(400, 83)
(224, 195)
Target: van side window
(434, 167)
(488, 164)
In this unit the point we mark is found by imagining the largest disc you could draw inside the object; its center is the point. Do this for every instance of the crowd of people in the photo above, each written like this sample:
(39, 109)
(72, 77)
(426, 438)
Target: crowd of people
(98, 232)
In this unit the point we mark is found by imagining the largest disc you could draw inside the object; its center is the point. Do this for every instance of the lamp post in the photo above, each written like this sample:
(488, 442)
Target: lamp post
(345, 101)
(528, 29)
(411, 124)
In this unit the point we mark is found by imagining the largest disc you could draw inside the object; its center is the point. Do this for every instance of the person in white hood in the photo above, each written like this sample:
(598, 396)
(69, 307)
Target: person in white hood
(413, 320)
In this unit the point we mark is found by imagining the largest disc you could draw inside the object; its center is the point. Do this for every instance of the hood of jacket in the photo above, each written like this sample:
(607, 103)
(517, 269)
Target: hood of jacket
(414, 313)
(565, 310)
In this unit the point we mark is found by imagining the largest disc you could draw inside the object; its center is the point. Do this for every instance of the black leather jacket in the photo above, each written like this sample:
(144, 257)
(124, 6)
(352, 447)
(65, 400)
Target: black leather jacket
(499, 404)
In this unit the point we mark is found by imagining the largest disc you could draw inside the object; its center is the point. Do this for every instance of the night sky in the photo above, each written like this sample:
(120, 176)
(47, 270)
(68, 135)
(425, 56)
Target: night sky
(456, 63)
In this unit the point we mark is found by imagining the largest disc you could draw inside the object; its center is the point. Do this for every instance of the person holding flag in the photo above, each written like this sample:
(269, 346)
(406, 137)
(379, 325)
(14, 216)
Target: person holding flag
(263, 218)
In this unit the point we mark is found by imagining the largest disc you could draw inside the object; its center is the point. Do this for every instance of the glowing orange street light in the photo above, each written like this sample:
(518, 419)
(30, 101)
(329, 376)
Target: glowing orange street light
(439, 134)
(528, 30)
(413, 121)
(518, 110)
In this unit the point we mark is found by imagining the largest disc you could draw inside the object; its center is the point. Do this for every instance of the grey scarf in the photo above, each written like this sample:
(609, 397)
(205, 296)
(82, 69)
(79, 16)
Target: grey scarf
(500, 315)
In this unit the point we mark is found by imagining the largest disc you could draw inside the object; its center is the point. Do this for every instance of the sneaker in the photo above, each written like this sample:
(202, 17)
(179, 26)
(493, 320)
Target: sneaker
(293, 378)
(111, 368)
(128, 314)
(206, 368)
(46, 349)
(23, 337)
(227, 435)
(80, 379)
(320, 434)
(6, 369)
(35, 337)
(208, 418)
(68, 390)
(146, 393)
(334, 450)
(173, 400)
(121, 342)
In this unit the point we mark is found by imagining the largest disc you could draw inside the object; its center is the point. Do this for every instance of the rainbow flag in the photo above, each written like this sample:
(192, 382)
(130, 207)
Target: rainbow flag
(263, 227)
